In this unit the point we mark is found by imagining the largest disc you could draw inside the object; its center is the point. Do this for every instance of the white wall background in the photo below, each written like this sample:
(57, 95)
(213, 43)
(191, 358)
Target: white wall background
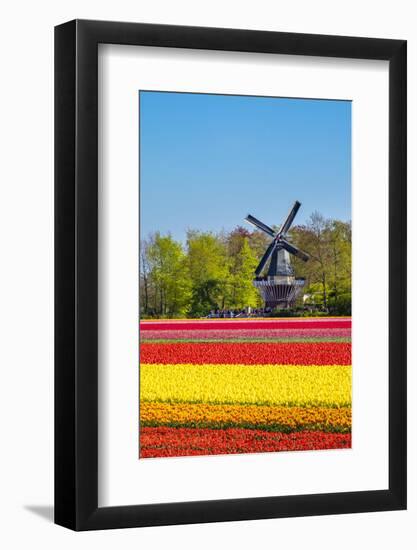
(26, 272)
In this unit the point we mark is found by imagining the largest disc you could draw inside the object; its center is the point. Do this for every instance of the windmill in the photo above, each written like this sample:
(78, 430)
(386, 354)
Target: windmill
(279, 287)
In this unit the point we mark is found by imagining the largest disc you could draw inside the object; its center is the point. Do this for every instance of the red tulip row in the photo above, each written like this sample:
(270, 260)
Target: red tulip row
(249, 353)
(163, 441)
(229, 324)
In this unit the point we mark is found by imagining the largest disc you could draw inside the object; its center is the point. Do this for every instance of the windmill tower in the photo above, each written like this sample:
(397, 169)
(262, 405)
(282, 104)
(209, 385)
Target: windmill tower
(279, 287)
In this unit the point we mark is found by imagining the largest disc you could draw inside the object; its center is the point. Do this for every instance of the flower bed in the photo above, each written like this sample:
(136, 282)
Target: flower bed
(248, 353)
(229, 324)
(244, 386)
(285, 419)
(285, 385)
(157, 442)
(272, 334)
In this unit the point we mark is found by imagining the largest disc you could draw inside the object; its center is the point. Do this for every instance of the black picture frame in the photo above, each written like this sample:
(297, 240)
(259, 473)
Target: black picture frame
(76, 272)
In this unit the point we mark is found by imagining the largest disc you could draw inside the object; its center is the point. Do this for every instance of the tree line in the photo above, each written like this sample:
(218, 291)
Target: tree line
(215, 270)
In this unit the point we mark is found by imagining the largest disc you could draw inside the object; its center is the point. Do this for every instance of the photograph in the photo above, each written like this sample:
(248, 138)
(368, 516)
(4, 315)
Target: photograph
(207, 226)
(245, 294)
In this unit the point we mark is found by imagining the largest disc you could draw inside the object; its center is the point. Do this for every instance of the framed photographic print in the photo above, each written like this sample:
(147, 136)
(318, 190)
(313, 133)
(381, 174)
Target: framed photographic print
(230, 245)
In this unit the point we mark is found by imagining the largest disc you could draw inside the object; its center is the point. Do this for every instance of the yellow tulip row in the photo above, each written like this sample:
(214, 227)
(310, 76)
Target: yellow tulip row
(280, 385)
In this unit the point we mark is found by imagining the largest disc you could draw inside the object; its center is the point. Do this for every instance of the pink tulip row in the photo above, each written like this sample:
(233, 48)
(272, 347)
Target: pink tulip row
(251, 334)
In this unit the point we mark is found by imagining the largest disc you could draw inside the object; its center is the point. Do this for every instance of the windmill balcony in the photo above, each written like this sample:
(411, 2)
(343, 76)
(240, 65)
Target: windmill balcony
(279, 291)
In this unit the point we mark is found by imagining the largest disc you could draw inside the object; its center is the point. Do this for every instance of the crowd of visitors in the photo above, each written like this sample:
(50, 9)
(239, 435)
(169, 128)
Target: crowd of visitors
(233, 313)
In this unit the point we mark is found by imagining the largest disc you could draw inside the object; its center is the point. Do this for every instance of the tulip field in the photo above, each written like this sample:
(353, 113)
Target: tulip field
(226, 386)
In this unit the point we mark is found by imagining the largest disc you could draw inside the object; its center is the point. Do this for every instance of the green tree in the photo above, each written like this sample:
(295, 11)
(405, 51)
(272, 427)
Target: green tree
(145, 287)
(340, 244)
(258, 242)
(328, 272)
(169, 276)
(208, 268)
(242, 293)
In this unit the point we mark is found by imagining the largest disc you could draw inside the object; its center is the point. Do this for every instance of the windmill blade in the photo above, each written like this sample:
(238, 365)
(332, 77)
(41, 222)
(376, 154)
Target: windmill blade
(290, 218)
(265, 258)
(294, 250)
(262, 226)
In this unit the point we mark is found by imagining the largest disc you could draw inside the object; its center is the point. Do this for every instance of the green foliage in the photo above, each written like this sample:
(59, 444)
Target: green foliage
(342, 304)
(208, 266)
(328, 272)
(167, 278)
(215, 271)
(243, 263)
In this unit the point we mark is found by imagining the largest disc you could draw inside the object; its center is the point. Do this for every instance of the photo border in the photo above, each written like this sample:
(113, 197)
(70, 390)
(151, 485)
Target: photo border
(229, 95)
(76, 274)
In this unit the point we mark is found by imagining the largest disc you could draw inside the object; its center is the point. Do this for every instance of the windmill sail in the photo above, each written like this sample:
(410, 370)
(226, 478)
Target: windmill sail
(294, 250)
(290, 218)
(265, 258)
(260, 225)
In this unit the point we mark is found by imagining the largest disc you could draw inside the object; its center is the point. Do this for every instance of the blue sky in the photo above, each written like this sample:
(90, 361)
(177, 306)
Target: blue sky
(208, 160)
